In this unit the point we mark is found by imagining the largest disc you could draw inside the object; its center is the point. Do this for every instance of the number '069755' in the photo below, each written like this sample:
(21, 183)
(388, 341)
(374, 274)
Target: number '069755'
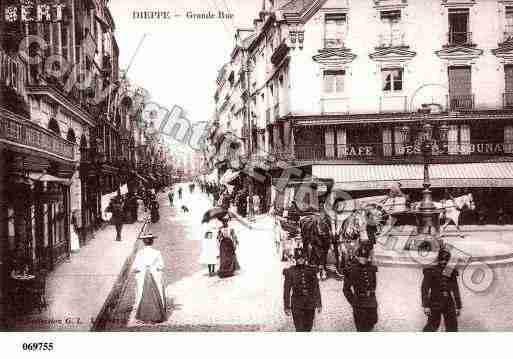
(37, 346)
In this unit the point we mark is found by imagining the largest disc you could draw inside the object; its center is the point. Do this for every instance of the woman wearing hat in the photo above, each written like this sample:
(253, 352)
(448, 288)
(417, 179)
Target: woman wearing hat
(150, 297)
(228, 242)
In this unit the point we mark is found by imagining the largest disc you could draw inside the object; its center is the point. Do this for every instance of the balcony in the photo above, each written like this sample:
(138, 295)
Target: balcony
(459, 39)
(28, 134)
(507, 100)
(391, 40)
(461, 102)
(335, 105)
(393, 104)
(334, 43)
(378, 151)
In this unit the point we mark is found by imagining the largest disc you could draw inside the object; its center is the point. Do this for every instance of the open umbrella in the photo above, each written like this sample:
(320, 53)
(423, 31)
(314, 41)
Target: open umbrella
(214, 213)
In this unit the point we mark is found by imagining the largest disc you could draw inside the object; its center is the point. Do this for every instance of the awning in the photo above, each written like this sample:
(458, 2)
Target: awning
(369, 177)
(44, 177)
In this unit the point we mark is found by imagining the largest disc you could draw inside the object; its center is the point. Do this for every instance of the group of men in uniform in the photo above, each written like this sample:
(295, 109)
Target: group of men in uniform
(302, 296)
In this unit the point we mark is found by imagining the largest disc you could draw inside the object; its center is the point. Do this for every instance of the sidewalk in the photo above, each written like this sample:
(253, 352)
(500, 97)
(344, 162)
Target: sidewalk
(77, 289)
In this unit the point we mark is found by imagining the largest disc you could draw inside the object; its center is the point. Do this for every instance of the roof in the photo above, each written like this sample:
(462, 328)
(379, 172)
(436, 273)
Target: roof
(297, 6)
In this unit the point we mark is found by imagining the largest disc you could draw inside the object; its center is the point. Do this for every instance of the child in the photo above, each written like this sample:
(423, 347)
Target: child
(209, 252)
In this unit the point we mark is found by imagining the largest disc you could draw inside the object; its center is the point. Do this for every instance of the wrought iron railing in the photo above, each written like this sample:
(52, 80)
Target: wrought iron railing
(31, 135)
(391, 40)
(455, 38)
(334, 43)
(382, 151)
(461, 102)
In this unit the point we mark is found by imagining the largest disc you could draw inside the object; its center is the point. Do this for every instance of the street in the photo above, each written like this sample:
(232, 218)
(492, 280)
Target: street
(252, 300)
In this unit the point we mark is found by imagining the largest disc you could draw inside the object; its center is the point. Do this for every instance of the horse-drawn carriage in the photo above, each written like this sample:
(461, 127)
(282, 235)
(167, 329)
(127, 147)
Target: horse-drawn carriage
(341, 229)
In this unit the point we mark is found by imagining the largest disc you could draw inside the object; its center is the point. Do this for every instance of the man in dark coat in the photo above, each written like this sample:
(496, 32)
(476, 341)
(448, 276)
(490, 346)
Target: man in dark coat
(171, 196)
(302, 281)
(441, 294)
(360, 290)
(116, 208)
(154, 211)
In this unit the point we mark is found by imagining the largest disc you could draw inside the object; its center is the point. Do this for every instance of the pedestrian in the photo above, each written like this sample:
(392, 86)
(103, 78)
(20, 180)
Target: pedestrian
(441, 294)
(141, 210)
(305, 298)
(154, 211)
(171, 196)
(116, 208)
(180, 193)
(209, 252)
(228, 243)
(150, 294)
(360, 290)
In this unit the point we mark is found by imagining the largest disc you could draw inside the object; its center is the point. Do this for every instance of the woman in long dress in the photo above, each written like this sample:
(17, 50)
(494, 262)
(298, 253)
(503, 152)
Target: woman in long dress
(227, 251)
(141, 210)
(209, 252)
(150, 297)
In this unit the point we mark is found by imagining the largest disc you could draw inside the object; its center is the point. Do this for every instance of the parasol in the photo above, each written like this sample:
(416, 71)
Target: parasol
(216, 212)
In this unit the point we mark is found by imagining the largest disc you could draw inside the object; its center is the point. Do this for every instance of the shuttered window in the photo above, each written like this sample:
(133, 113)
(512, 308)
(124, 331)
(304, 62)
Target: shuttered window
(333, 81)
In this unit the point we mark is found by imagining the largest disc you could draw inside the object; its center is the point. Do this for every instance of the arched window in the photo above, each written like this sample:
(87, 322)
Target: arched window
(71, 137)
(53, 126)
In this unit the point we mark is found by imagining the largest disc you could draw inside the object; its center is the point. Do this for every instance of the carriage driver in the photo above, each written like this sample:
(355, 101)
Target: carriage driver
(302, 281)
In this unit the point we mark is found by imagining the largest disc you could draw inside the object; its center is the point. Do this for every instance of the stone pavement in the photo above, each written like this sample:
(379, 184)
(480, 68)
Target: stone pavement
(78, 288)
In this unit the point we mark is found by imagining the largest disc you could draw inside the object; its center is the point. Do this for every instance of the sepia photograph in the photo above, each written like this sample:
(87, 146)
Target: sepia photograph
(269, 166)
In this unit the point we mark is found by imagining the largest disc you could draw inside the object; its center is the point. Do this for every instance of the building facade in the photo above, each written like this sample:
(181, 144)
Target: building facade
(340, 89)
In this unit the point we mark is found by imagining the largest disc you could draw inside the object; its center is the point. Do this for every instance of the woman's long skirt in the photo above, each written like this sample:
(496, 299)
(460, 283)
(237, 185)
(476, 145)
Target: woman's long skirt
(152, 307)
(228, 259)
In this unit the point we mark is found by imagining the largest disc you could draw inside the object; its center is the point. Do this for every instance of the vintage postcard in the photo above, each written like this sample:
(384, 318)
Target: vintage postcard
(256, 166)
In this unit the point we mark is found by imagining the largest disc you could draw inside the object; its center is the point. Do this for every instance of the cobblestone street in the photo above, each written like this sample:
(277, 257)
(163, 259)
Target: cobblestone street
(252, 300)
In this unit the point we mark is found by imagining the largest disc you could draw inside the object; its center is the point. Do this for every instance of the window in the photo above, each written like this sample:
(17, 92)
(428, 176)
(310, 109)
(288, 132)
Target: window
(333, 81)
(391, 23)
(392, 79)
(508, 30)
(335, 26)
(458, 27)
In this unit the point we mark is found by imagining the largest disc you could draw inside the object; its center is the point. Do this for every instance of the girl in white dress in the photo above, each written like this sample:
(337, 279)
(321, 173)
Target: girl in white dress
(209, 252)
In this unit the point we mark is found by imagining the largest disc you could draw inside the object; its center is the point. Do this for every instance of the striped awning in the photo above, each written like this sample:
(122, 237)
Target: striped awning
(369, 177)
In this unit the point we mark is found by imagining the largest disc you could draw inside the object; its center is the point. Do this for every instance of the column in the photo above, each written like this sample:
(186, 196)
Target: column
(508, 139)
(341, 142)
(465, 140)
(399, 141)
(387, 142)
(329, 142)
(452, 139)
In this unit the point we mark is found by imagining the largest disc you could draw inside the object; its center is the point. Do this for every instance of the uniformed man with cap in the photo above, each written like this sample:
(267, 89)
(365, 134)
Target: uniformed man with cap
(305, 298)
(360, 289)
(441, 294)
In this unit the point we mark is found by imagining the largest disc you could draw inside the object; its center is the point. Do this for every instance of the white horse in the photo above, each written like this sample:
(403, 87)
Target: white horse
(452, 210)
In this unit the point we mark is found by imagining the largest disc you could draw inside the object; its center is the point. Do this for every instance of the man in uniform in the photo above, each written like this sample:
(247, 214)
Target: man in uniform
(360, 290)
(306, 295)
(441, 294)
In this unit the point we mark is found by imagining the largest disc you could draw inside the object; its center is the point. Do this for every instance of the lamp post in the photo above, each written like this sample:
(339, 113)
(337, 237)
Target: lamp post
(429, 225)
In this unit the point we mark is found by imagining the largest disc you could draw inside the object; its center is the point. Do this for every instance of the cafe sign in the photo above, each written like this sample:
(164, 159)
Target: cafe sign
(30, 12)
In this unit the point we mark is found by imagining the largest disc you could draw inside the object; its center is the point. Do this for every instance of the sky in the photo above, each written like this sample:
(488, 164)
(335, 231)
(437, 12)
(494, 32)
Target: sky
(179, 58)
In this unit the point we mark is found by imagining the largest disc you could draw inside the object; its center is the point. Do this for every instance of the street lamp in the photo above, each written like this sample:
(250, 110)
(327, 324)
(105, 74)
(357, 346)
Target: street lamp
(429, 224)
